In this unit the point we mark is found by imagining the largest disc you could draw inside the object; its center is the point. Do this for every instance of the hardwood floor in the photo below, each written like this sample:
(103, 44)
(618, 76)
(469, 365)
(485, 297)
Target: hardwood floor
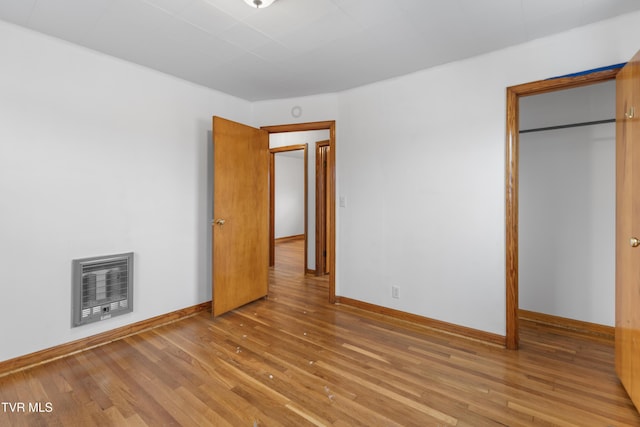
(296, 360)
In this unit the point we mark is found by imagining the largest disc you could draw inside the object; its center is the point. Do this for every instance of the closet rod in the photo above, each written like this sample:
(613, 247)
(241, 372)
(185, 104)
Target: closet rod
(573, 125)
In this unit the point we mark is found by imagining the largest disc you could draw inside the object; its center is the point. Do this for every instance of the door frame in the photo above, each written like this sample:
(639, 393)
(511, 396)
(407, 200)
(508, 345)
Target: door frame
(331, 168)
(272, 198)
(321, 208)
(511, 181)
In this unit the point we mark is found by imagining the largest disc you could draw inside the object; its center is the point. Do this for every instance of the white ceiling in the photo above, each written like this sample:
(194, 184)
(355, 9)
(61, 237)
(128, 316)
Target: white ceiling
(301, 47)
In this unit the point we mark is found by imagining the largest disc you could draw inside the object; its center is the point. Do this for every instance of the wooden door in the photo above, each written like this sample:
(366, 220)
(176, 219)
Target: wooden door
(240, 264)
(628, 228)
(327, 222)
(322, 217)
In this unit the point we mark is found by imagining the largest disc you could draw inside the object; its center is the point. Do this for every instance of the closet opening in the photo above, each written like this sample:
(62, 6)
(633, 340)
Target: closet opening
(567, 187)
(512, 173)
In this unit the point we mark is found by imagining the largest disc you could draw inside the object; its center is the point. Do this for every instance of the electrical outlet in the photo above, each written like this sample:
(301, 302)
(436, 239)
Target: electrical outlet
(395, 292)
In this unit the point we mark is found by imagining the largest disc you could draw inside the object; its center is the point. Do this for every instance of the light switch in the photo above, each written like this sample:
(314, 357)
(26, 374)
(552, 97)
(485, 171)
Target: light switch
(343, 201)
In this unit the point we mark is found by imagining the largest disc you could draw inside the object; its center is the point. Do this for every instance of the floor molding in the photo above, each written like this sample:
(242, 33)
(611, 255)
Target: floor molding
(50, 354)
(570, 324)
(438, 325)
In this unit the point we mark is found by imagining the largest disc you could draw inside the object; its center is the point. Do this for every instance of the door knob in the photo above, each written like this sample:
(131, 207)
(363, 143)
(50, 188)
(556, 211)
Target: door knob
(634, 242)
(219, 222)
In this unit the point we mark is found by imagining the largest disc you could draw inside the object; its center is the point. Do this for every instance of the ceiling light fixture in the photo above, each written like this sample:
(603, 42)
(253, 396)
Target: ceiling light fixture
(259, 4)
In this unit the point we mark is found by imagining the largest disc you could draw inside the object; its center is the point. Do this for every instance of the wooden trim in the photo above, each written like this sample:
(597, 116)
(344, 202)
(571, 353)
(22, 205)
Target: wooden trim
(331, 125)
(272, 196)
(300, 127)
(289, 238)
(511, 218)
(438, 325)
(552, 85)
(272, 208)
(321, 207)
(511, 181)
(331, 169)
(306, 205)
(286, 148)
(569, 324)
(50, 354)
(310, 272)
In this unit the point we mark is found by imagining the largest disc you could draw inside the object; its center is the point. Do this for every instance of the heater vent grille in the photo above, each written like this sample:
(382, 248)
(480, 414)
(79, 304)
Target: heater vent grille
(102, 287)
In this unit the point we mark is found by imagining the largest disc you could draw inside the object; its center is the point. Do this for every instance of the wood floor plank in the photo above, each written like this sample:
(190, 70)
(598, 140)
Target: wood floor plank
(293, 359)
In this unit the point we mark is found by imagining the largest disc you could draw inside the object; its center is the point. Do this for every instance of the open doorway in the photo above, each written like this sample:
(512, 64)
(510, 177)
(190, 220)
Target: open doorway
(567, 188)
(328, 127)
(512, 174)
(281, 143)
(288, 197)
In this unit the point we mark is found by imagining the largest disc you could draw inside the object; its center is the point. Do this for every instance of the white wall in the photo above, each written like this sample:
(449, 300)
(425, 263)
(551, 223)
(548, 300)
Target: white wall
(567, 205)
(420, 160)
(289, 195)
(98, 156)
(310, 138)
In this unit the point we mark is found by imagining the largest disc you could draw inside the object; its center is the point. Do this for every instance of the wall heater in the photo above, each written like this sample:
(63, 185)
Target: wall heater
(102, 287)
